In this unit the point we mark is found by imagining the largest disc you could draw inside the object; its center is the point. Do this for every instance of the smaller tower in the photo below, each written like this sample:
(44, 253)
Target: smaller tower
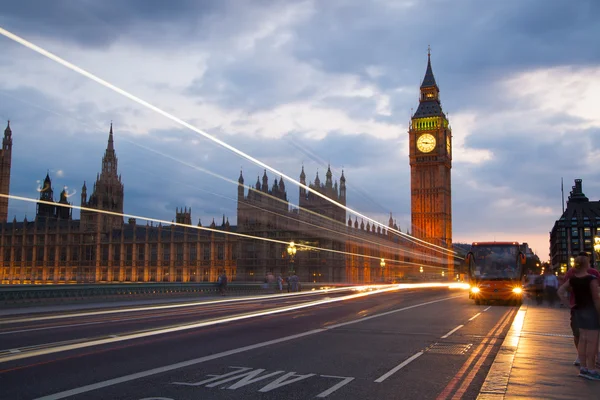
(241, 187)
(83, 195)
(329, 179)
(183, 216)
(5, 167)
(302, 181)
(265, 182)
(343, 189)
(44, 209)
(63, 211)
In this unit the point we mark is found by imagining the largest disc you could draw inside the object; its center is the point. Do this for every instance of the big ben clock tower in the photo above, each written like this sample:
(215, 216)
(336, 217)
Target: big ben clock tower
(430, 141)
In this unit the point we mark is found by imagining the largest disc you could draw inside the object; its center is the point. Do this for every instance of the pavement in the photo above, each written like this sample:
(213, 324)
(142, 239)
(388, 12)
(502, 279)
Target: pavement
(536, 358)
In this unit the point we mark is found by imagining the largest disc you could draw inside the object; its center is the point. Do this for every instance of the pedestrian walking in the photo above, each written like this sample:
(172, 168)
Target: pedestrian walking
(584, 288)
(574, 327)
(550, 287)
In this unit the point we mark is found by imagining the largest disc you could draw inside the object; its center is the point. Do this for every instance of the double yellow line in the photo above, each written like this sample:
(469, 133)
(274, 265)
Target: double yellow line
(477, 357)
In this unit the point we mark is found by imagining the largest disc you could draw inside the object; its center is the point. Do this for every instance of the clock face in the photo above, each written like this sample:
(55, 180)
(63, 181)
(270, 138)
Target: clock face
(448, 147)
(426, 143)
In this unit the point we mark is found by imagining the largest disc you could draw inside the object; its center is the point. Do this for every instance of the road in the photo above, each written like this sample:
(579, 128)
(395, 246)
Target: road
(425, 343)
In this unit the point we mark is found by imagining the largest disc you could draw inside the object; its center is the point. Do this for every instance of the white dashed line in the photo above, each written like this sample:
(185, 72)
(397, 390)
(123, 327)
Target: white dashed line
(452, 331)
(399, 367)
(474, 316)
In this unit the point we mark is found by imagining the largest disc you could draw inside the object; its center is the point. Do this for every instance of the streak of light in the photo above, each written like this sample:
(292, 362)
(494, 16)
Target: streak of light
(203, 228)
(185, 124)
(56, 349)
(424, 257)
(172, 306)
(227, 179)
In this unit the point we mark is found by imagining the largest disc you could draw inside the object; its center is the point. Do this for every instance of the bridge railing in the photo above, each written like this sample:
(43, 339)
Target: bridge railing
(45, 293)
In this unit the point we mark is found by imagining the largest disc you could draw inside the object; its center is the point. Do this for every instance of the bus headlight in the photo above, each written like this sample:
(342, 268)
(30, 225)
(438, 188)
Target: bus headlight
(474, 289)
(517, 290)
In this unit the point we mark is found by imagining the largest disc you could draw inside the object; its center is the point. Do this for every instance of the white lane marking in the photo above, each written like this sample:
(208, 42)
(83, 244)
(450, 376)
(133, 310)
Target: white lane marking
(345, 380)
(177, 328)
(14, 351)
(50, 327)
(388, 313)
(398, 367)
(487, 308)
(154, 308)
(166, 368)
(474, 316)
(452, 331)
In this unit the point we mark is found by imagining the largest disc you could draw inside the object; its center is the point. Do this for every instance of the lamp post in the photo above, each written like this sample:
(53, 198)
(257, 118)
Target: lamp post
(291, 249)
(382, 265)
(597, 251)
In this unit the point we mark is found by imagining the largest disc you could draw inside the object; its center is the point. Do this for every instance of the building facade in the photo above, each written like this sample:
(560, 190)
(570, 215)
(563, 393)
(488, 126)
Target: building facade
(576, 230)
(328, 248)
(430, 152)
(100, 247)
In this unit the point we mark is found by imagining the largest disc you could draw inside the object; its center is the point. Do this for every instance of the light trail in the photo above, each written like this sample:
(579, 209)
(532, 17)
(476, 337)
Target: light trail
(214, 230)
(50, 349)
(175, 306)
(223, 144)
(424, 257)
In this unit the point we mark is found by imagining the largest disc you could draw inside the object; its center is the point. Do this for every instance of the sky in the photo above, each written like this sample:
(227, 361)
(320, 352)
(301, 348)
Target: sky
(294, 82)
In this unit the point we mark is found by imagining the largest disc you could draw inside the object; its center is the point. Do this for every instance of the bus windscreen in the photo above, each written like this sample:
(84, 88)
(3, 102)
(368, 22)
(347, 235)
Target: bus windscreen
(497, 262)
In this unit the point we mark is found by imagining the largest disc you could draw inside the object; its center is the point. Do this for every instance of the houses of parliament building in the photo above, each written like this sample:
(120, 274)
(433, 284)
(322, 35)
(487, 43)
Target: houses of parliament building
(101, 247)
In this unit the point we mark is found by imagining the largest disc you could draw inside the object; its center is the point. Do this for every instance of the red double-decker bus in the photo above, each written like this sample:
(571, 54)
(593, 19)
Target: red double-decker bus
(495, 272)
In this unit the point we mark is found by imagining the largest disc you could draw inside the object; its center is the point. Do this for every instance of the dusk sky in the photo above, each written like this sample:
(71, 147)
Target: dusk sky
(309, 83)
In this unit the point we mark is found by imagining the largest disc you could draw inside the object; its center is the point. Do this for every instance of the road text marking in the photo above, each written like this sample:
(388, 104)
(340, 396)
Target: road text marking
(182, 364)
(243, 376)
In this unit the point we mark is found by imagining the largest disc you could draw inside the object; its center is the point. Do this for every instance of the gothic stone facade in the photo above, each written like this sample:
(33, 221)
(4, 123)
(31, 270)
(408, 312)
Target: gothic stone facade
(54, 248)
(352, 251)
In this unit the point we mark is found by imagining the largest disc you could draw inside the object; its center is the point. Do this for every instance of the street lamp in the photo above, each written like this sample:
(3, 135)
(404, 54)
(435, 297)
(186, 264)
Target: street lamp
(382, 264)
(291, 249)
(572, 262)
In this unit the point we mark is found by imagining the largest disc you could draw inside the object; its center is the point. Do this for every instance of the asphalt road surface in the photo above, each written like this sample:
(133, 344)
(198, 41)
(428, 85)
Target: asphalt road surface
(425, 343)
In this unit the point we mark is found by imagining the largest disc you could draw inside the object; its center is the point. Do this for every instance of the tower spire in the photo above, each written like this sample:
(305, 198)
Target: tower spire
(429, 79)
(111, 145)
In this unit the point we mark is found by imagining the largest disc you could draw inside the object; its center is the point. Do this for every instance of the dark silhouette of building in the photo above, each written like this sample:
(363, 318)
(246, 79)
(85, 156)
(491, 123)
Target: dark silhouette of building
(430, 151)
(575, 230)
(47, 207)
(5, 165)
